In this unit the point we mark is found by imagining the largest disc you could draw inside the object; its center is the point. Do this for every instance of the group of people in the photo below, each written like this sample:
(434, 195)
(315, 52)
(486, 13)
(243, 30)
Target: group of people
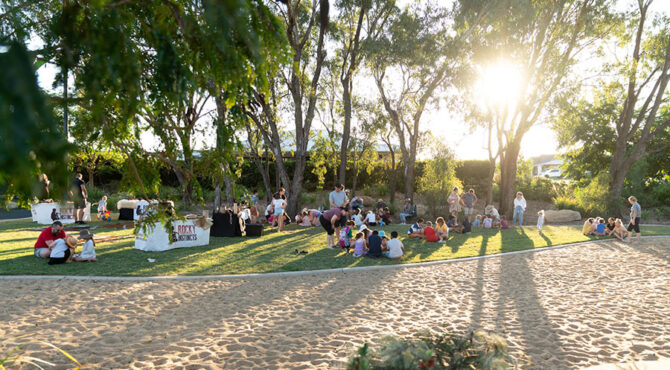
(597, 226)
(59, 248)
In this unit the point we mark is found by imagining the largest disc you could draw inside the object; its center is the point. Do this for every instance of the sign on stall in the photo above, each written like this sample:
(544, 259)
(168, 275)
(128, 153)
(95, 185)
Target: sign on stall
(184, 233)
(47, 213)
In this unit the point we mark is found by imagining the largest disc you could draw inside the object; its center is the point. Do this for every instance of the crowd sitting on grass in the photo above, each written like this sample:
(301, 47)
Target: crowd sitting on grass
(597, 226)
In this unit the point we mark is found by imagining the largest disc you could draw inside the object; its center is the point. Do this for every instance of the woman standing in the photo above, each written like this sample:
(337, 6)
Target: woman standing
(454, 202)
(328, 220)
(635, 214)
(519, 208)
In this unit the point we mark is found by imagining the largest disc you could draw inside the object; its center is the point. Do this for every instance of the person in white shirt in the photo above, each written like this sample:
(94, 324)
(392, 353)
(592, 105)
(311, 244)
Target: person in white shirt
(358, 218)
(88, 252)
(370, 219)
(279, 204)
(519, 208)
(62, 250)
(394, 248)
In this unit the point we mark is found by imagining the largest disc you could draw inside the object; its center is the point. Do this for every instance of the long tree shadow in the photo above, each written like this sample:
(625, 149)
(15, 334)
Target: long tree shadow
(518, 292)
(479, 286)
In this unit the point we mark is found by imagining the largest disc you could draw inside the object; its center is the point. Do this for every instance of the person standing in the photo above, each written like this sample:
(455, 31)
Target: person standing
(519, 208)
(338, 199)
(469, 201)
(79, 195)
(635, 215)
(278, 205)
(454, 202)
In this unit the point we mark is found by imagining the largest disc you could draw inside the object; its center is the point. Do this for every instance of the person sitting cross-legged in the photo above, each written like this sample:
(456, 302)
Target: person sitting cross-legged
(416, 230)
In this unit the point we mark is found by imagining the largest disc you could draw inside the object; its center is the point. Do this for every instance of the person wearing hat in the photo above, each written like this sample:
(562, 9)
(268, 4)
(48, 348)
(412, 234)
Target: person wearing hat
(62, 250)
(88, 252)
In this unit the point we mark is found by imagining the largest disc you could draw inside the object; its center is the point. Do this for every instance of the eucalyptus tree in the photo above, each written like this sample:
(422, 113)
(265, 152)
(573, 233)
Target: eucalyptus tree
(124, 55)
(543, 38)
(305, 24)
(411, 61)
(628, 117)
(359, 21)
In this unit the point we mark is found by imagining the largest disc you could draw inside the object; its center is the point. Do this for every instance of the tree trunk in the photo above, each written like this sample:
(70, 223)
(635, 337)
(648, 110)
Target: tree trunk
(346, 130)
(489, 185)
(91, 173)
(508, 178)
(217, 196)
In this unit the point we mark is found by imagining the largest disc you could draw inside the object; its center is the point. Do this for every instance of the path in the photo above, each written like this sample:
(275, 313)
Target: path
(565, 308)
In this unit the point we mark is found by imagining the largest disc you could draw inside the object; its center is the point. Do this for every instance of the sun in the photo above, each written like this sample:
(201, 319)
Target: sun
(499, 85)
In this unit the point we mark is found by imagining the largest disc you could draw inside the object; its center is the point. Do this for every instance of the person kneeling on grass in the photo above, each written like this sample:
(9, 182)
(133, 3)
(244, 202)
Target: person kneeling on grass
(62, 250)
(394, 247)
(430, 233)
(88, 252)
(442, 230)
(416, 230)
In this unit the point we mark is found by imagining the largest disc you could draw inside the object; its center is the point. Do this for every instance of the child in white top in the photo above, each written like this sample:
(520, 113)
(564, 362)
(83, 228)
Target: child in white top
(540, 221)
(370, 219)
(88, 252)
(102, 207)
(278, 204)
(488, 222)
(358, 218)
(477, 222)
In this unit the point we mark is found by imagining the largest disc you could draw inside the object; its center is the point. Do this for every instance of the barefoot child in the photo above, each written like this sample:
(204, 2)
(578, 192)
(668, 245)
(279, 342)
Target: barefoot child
(102, 207)
(601, 228)
(346, 235)
(540, 221)
(88, 252)
(619, 231)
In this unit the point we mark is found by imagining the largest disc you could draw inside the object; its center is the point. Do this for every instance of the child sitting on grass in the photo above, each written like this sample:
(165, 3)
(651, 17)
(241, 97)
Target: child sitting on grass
(487, 222)
(442, 230)
(477, 222)
(601, 228)
(503, 223)
(454, 226)
(586, 229)
(88, 252)
(358, 218)
(394, 247)
(430, 233)
(360, 247)
(370, 219)
(619, 230)
(540, 221)
(611, 224)
(416, 230)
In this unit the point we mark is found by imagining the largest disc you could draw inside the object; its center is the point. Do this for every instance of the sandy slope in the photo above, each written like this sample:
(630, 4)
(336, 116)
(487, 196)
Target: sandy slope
(566, 308)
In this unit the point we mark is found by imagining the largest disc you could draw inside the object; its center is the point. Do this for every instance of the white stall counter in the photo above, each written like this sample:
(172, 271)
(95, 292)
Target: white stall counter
(47, 213)
(186, 234)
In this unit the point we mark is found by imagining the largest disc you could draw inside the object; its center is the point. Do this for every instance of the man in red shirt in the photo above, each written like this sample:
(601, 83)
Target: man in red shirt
(47, 238)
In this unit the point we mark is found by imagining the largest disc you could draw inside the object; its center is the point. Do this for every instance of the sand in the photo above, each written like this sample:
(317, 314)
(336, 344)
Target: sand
(578, 306)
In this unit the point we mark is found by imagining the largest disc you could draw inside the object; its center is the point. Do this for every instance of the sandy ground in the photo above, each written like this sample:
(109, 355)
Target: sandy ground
(565, 308)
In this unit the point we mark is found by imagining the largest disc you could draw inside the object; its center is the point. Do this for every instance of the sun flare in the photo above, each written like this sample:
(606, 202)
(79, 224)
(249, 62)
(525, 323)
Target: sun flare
(499, 85)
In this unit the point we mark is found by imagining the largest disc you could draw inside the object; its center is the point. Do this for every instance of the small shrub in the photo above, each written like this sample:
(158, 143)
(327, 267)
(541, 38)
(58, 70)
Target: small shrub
(307, 198)
(369, 191)
(475, 350)
(590, 200)
(382, 190)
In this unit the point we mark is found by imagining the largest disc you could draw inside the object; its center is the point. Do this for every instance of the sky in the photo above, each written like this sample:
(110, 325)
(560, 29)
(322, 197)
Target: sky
(445, 124)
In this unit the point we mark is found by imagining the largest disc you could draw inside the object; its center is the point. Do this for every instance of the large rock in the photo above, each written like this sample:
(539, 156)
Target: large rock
(564, 215)
(368, 202)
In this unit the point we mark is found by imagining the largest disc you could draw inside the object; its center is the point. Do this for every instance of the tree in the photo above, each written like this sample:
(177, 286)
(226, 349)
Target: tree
(543, 37)
(418, 51)
(624, 121)
(359, 22)
(439, 175)
(301, 78)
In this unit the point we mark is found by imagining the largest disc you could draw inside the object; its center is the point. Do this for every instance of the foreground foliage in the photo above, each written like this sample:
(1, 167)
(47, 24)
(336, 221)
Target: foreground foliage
(474, 350)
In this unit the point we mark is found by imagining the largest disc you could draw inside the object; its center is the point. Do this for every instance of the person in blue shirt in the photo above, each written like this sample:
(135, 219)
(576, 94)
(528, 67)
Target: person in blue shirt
(374, 245)
(416, 230)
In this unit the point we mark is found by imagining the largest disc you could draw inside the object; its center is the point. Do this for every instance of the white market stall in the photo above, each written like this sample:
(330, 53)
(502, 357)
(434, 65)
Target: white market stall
(185, 233)
(47, 213)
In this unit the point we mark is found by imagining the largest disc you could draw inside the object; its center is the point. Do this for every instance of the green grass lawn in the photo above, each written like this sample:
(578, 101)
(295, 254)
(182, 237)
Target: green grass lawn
(272, 252)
